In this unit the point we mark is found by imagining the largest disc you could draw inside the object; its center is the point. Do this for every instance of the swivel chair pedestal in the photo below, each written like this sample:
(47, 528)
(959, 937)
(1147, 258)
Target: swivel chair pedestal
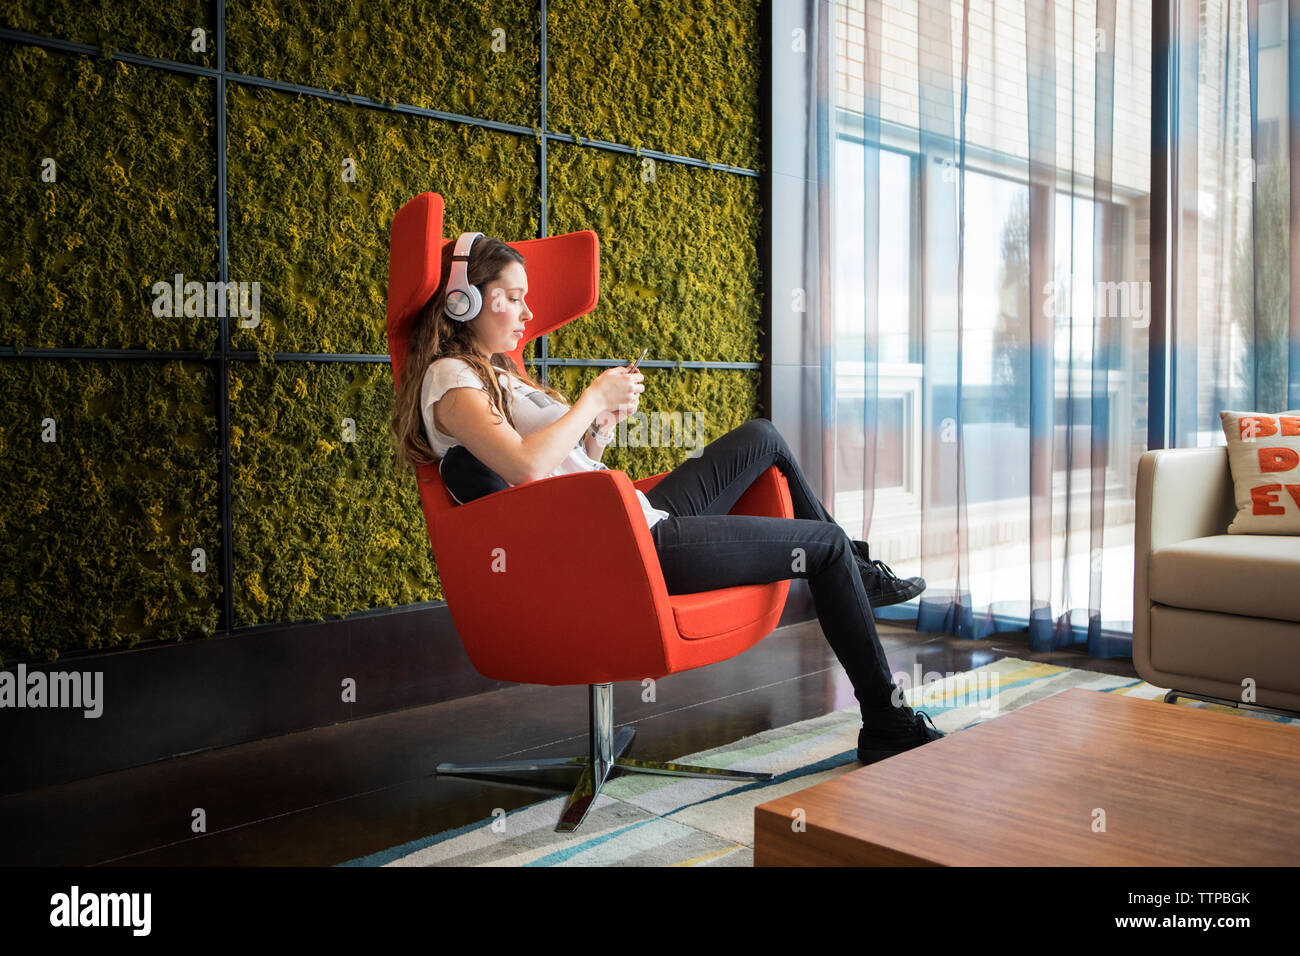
(606, 748)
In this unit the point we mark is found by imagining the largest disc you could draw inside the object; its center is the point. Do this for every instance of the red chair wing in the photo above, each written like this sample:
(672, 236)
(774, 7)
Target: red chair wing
(563, 276)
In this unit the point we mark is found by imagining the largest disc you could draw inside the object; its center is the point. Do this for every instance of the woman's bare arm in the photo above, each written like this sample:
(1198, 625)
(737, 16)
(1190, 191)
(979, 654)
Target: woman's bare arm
(604, 423)
(466, 414)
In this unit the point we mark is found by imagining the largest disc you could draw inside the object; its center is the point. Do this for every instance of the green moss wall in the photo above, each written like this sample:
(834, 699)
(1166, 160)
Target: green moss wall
(442, 56)
(678, 257)
(719, 399)
(319, 245)
(320, 524)
(676, 76)
(134, 200)
(99, 527)
(158, 29)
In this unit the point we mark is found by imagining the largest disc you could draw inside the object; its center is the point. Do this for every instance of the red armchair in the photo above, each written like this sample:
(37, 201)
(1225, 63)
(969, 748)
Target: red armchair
(607, 548)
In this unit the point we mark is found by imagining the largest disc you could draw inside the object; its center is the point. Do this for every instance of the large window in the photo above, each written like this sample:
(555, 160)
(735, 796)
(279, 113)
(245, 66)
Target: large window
(1095, 419)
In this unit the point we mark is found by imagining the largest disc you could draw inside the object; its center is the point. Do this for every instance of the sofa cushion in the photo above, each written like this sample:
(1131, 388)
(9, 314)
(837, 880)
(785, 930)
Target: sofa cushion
(1264, 455)
(1251, 575)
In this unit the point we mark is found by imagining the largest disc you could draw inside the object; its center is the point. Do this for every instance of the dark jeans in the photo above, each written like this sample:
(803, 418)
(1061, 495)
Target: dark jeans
(701, 547)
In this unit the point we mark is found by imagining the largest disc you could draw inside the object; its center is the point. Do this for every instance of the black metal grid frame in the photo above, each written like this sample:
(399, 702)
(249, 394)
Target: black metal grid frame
(223, 355)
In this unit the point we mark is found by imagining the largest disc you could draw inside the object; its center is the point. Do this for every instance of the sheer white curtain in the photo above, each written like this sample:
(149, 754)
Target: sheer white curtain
(1235, 261)
(991, 306)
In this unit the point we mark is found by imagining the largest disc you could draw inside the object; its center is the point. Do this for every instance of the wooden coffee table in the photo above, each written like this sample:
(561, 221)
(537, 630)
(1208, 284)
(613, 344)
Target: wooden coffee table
(1178, 786)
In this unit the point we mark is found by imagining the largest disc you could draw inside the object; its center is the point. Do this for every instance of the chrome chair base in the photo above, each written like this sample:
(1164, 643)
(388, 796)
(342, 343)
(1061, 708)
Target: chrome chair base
(1173, 695)
(605, 758)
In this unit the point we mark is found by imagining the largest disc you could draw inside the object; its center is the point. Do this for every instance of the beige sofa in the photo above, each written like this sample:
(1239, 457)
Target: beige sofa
(1211, 609)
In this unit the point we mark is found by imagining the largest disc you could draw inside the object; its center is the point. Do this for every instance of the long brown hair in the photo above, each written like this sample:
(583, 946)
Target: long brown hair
(435, 336)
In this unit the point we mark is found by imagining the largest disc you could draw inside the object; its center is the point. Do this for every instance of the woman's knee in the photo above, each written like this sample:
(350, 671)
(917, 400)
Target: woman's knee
(833, 545)
(763, 430)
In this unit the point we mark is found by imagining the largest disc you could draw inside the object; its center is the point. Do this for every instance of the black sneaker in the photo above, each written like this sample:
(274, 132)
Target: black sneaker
(877, 743)
(883, 586)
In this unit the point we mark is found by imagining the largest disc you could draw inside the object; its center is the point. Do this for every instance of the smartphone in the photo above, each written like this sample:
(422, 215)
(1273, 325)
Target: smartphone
(639, 358)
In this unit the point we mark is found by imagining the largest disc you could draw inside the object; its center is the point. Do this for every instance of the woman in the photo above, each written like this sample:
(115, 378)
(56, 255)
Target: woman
(462, 388)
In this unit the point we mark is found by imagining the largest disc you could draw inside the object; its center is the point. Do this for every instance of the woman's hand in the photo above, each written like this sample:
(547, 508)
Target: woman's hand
(624, 411)
(619, 414)
(606, 421)
(619, 390)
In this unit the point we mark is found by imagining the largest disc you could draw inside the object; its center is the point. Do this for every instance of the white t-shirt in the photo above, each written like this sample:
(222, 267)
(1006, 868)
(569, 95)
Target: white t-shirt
(532, 409)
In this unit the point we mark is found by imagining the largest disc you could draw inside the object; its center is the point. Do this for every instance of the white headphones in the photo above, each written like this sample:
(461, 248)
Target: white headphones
(463, 301)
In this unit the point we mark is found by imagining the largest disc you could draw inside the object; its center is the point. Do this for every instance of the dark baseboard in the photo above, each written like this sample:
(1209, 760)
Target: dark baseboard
(168, 699)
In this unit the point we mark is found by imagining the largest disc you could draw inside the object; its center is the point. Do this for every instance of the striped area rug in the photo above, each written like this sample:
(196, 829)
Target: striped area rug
(641, 820)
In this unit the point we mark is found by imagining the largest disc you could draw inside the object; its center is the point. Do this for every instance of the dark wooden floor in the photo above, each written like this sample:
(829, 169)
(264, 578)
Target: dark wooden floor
(340, 792)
